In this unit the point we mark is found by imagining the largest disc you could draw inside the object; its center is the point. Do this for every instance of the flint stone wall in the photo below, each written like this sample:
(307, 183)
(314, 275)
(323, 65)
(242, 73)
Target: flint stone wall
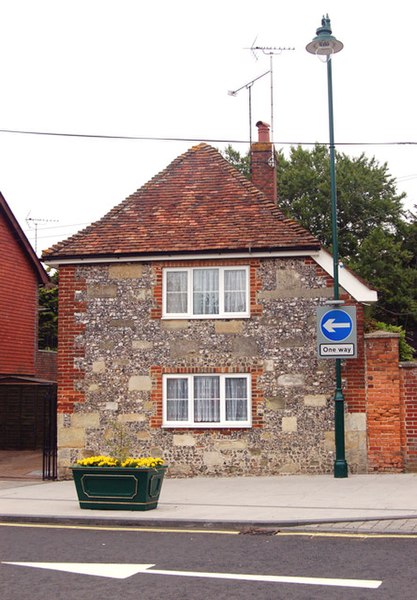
(124, 345)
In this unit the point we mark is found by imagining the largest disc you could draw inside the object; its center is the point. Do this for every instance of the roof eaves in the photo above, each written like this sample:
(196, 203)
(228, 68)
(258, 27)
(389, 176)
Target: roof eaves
(37, 266)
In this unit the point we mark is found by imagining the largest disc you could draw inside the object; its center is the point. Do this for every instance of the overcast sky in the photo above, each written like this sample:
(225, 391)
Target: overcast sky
(162, 69)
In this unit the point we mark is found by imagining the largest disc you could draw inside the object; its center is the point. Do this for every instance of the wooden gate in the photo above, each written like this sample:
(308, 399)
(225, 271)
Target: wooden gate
(28, 420)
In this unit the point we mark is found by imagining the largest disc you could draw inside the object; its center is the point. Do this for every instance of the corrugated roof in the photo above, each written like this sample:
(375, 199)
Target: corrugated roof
(199, 203)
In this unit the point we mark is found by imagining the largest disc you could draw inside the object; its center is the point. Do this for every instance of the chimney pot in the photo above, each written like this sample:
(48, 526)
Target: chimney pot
(263, 131)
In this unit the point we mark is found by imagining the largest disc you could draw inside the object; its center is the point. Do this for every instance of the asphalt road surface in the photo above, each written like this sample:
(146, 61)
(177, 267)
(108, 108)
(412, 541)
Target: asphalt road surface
(71, 563)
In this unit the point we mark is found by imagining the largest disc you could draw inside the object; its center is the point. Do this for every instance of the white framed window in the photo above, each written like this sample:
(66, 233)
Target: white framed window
(207, 400)
(206, 292)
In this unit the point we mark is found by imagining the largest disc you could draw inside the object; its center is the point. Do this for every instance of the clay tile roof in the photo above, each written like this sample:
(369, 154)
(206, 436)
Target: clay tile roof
(199, 203)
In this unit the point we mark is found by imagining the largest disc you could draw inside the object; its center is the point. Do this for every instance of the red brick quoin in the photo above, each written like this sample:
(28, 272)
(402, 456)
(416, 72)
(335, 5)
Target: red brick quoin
(69, 328)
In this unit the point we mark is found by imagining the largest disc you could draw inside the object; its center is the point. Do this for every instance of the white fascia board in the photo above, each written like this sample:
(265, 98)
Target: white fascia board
(172, 257)
(347, 280)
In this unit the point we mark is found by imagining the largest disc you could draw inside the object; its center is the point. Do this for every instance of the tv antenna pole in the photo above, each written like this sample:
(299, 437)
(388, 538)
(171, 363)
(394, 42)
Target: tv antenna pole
(270, 51)
(30, 220)
(248, 86)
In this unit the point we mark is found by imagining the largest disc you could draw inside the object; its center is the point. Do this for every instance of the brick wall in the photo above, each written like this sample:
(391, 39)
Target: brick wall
(384, 403)
(46, 365)
(70, 349)
(408, 379)
(18, 307)
(354, 371)
(263, 171)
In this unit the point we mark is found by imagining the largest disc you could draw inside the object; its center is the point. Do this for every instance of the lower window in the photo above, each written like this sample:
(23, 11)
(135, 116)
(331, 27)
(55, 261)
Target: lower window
(206, 400)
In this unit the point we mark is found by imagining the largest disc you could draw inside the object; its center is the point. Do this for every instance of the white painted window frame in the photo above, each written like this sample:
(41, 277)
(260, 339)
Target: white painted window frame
(223, 423)
(189, 314)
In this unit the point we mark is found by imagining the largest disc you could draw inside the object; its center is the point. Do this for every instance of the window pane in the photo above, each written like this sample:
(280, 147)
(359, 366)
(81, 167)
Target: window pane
(235, 290)
(236, 399)
(206, 399)
(206, 291)
(177, 399)
(176, 292)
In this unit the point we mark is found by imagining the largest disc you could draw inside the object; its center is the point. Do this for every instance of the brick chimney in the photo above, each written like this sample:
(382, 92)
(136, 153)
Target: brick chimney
(263, 171)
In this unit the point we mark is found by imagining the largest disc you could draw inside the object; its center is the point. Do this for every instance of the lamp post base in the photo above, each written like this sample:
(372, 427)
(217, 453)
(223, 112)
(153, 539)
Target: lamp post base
(340, 469)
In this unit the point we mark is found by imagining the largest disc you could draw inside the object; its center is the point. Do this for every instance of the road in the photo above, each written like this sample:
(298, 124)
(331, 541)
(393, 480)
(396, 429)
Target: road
(72, 563)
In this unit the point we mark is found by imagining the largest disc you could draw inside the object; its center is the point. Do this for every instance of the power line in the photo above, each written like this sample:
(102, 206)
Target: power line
(191, 139)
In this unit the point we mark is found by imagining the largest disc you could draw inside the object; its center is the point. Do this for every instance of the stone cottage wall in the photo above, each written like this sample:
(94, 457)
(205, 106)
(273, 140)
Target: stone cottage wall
(116, 347)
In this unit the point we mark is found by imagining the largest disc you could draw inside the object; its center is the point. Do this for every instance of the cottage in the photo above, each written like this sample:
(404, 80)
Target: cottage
(189, 313)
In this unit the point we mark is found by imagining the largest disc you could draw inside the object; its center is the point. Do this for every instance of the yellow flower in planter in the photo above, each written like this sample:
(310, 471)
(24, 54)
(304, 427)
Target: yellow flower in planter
(137, 463)
(110, 461)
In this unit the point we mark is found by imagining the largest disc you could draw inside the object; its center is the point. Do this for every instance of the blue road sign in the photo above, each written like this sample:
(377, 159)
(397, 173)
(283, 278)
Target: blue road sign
(336, 325)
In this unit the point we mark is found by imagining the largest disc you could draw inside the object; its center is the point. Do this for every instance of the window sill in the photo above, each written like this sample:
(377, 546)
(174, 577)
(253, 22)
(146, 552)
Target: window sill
(207, 426)
(203, 317)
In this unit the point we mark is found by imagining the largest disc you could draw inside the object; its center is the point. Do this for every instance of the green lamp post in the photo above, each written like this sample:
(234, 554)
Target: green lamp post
(325, 45)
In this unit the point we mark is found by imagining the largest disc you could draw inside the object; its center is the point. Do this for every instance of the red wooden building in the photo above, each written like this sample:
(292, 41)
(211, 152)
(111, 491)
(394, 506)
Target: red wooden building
(27, 375)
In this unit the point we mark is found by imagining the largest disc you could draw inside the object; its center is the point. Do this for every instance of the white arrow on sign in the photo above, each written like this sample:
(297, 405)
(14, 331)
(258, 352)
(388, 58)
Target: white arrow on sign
(123, 571)
(331, 326)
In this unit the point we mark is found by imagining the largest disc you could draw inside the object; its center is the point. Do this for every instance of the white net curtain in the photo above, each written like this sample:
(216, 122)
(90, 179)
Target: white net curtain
(206, 285)
(207, 397)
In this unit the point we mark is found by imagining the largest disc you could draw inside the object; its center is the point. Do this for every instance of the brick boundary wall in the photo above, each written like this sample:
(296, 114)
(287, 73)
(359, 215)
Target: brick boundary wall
(384, 404)
(408, 381)
(46, 364)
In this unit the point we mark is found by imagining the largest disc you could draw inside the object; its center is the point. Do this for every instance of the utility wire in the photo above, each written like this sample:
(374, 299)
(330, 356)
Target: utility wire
(177, 139)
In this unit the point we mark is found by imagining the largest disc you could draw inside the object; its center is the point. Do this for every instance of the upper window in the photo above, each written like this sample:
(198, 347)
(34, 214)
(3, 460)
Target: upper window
(209, 292)
(206, 400)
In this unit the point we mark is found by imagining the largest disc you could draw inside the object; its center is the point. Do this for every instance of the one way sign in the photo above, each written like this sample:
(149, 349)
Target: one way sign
(336, 332)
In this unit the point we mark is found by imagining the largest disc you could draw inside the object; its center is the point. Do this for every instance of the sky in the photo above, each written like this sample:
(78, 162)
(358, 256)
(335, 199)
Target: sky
(163, 69)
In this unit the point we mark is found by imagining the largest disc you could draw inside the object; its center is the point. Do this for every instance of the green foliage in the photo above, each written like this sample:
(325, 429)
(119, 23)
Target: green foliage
(240, 162)
(119, 440)
(366, 195)
(406, 351)
(48, 314)
(377, 239)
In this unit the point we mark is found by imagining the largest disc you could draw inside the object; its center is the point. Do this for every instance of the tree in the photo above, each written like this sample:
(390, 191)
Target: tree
(241, 163)
(48, 314)
(366, 195)
(377, 238)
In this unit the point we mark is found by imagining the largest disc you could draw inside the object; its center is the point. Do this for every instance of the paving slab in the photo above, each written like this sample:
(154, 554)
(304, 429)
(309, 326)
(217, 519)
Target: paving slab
(278, 501)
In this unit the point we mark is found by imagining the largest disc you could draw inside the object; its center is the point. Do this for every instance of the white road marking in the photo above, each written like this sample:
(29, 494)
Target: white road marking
(116, 571)
(123, 571)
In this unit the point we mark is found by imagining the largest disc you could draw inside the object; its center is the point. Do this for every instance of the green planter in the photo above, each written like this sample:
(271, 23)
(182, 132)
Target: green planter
(118, 488)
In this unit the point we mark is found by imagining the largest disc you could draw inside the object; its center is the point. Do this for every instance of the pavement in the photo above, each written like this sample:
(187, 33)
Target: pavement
(361, 504)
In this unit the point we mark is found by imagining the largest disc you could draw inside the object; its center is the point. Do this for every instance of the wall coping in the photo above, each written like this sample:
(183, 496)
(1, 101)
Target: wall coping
(382, 334)
(408, 365)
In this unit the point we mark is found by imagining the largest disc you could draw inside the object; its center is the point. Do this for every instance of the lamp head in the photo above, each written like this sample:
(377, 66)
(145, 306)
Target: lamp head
(324, 44)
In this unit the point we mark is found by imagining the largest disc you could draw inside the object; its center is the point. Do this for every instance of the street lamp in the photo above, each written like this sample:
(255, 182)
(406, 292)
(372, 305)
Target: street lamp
(325, 45)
